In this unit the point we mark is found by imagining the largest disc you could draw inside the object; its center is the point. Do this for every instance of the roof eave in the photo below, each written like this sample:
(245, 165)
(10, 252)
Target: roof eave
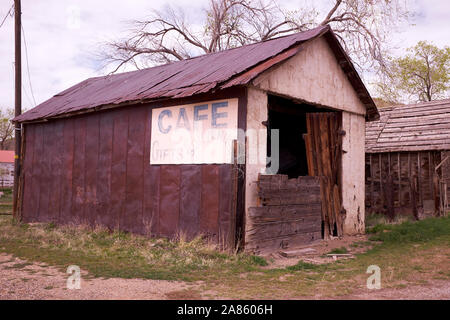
(349, 69)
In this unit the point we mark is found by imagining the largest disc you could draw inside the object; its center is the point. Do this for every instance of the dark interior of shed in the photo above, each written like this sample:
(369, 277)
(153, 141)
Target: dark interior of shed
(289, 117)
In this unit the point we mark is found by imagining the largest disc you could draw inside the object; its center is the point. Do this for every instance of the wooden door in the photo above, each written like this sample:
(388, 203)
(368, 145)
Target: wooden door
(323, 142)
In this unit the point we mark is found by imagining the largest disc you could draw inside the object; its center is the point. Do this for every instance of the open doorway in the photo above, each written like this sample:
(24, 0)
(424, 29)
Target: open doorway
(310, 144)
(290, 119)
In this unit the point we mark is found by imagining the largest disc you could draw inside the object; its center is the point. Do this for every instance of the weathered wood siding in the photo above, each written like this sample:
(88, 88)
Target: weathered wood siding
(393, 177)
(289, 215)
(94, 169)
(445, 187)
(324, 149)
(405, 145)
(445, 155)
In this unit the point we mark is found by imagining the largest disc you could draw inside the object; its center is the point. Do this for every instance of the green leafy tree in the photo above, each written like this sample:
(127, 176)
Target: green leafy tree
(6, 127)
(421, 75)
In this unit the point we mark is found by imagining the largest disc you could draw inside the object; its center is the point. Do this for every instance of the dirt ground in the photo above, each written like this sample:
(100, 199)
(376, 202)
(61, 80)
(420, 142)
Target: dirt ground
(317, 252)
(22, 280)
(434, 290)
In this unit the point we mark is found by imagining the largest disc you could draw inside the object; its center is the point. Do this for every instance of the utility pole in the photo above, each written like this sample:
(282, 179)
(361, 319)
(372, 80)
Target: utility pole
(18, 102)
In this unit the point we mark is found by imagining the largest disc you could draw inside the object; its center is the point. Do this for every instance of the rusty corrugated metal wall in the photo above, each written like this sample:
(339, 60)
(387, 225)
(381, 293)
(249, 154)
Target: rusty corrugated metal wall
(94, 169)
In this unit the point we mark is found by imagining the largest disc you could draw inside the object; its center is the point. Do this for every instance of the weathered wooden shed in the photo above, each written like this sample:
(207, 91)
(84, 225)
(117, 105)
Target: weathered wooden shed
(182, 148)
(408, 159)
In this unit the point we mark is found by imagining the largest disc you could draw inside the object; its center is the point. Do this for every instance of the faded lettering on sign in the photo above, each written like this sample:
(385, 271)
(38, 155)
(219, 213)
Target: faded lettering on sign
(195, 133)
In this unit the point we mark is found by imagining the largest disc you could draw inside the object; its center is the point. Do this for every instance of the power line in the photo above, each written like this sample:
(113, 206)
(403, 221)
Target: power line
(28, 66)
(26, 95)
(23, 88)
(4, 19)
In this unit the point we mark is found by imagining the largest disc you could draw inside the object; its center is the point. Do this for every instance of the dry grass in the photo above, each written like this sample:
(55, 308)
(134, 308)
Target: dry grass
(118, 254)
(407, 253)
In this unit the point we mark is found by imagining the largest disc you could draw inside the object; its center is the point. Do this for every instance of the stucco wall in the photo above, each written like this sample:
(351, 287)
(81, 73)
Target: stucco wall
(314, 76)
(353, 171)
(256, 143)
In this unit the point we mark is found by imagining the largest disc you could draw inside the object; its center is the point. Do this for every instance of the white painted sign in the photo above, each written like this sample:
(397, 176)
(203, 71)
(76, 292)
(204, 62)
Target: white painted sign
(195, 133)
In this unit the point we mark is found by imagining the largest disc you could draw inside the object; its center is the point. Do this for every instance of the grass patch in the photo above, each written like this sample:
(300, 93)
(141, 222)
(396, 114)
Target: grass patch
(409, 232)
(259, 261)
(341, 250)
(301, 265)
(407, 253)
(6, 201)
(119, 254)
(374, 219)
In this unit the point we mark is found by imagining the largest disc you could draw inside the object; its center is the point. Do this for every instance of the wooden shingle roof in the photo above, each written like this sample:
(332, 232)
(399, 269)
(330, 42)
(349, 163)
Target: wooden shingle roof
(415, 127)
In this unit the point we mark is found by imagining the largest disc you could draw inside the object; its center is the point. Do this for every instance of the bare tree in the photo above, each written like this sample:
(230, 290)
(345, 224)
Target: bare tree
(6, 127)
(363, 27)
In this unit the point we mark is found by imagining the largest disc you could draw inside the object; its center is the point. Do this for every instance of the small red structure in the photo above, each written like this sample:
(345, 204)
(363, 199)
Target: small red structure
(6, 168)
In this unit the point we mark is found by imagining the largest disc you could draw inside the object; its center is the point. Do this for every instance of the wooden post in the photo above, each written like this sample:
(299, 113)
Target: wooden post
(232, 237)
(381, 181)
(389, 163)
(399, 180)
(17, 104)
(436, 193)
(409, 176)
(430, 173)
(413, 187)
(372, 177)
(389, 196)
(419, 179)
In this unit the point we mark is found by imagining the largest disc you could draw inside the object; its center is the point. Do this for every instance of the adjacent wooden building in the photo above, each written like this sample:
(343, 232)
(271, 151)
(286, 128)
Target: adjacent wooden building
(408, 159)
(181, 149)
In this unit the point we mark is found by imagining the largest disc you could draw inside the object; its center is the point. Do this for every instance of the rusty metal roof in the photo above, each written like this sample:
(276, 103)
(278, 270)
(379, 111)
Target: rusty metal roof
(6, 156)
(197, 75)
(414, 127)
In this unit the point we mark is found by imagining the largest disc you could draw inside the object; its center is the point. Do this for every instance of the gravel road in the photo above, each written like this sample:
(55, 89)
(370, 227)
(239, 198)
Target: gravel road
(22, 280)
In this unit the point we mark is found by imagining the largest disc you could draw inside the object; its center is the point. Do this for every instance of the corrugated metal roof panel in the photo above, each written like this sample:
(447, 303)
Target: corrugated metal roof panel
(185, 78)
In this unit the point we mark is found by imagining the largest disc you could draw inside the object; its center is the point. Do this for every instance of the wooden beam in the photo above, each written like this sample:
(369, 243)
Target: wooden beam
(381, 181)
(409, 177)
(399, 179)
(389, 163)
(430, 174)
(232, 236)
(371, 182)
(442, 162)
(419, 179)
(389, 196)
(17, 105)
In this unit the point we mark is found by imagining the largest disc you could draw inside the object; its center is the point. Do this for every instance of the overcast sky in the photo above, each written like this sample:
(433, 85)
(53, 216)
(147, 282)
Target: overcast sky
(63, 36)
